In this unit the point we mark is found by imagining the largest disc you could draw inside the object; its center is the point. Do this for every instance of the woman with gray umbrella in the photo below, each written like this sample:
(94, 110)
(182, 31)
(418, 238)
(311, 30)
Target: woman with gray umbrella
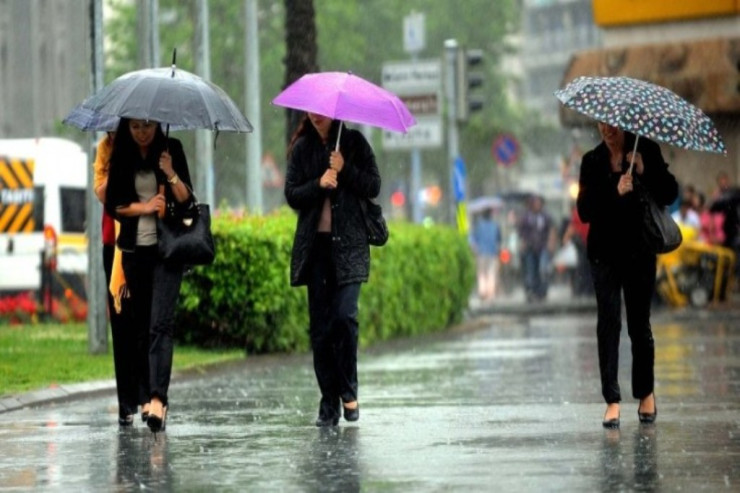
(149, 177)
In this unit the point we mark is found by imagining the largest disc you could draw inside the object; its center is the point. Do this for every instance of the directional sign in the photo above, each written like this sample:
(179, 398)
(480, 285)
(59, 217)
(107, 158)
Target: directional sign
(505, 149)
(419, 85)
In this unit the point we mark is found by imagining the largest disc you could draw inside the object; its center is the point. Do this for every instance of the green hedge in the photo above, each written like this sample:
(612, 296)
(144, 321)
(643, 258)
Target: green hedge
(419, 282)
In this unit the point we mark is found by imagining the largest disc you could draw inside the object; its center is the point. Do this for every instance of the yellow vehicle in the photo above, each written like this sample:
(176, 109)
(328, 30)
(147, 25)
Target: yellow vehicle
(42, 213)
(696, 273)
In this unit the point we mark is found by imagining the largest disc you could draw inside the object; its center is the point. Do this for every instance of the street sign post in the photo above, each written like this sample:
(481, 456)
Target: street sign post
(418, 84)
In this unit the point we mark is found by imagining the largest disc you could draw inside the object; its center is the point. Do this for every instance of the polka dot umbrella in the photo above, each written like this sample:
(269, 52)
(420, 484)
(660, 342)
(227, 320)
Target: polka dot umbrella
(644, 109)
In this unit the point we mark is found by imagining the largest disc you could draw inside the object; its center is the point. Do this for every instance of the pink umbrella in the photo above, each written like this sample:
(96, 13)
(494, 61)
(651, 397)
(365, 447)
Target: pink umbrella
(347, 97)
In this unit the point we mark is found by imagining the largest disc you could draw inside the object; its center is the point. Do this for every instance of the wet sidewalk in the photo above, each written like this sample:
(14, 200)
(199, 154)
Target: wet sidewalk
(504, 403)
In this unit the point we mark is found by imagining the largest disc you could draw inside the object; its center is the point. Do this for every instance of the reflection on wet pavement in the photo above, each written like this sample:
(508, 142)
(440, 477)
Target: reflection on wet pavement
(512, 406)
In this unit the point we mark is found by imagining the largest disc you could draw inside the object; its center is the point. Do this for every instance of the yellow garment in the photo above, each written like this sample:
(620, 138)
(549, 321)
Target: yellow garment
(117, 286)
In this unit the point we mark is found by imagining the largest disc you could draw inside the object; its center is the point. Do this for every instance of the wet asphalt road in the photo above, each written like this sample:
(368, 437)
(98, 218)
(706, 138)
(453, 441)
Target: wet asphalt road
(511, 406)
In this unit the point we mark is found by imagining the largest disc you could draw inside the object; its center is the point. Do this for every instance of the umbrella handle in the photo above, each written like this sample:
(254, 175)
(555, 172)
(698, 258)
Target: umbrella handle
(339, 134)
(634, 150)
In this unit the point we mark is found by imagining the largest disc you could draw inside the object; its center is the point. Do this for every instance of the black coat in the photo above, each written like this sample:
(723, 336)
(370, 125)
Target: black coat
(121, 189)
(615, 222)
(358, 180)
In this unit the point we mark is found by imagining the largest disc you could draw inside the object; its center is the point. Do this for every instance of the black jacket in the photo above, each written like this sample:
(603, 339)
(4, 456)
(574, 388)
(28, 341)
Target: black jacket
(121, 190)
(615, 222)
(358, 180)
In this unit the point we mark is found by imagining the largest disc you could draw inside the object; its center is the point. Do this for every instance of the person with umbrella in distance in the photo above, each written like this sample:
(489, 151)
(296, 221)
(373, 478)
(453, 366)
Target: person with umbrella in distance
(326, 179)
(149, 176)
(619, 258)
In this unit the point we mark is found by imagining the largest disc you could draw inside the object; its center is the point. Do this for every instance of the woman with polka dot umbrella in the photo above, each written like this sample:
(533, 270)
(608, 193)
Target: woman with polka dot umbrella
(643, 109)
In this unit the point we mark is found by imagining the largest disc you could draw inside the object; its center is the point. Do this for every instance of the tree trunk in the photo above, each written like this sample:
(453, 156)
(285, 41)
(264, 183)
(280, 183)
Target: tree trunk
(302, 51)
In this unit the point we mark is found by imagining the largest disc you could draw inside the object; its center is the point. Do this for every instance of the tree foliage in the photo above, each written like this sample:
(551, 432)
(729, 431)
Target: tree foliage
(351, 35)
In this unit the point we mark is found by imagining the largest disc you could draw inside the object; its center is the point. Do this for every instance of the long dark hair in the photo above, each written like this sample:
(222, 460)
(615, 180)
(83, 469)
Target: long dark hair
(306, 128)
(126, 151)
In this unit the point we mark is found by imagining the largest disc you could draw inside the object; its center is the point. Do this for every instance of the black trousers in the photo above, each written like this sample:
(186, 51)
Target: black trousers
(125, 360)
(333, 330)
(154, 288)
(636, 277)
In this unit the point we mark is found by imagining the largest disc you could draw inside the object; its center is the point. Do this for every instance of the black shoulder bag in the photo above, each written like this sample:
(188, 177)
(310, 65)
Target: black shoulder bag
(377, 229)
(659, 230)
(185, 238)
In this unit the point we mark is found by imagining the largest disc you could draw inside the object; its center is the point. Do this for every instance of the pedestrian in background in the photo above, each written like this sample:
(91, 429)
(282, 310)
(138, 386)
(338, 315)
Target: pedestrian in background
(125, 363)
(331, 254)
(727, 202)
(486, 242)
(577, 234)
(148, 175)
(620, 259)
(537, 241)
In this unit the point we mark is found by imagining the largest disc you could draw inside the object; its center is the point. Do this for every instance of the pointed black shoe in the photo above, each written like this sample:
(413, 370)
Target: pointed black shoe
(126, 420)
(323, 422)
(352, 414)
(611, 424)
(157, 424)
(647, 418)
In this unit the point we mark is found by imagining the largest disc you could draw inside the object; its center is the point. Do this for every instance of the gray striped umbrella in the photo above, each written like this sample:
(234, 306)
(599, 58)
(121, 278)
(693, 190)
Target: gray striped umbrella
(170, 96)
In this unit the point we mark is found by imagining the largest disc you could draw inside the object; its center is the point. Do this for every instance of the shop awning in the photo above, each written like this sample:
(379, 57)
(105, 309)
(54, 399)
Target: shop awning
(704, 72)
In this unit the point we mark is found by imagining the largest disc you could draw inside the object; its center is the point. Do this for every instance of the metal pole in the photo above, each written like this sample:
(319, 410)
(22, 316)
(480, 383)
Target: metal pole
(143, 33)
(252, 79)
(97, 323)
(154, 32)
(453, 144)
(203, 138)
(416, 209)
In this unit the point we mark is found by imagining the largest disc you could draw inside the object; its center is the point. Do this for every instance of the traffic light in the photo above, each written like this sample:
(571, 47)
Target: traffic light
(467, 80)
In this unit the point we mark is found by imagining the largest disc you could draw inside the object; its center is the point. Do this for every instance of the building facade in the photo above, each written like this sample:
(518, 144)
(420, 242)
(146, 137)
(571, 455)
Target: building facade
(552, 31)
(690, 47)
(44, 64)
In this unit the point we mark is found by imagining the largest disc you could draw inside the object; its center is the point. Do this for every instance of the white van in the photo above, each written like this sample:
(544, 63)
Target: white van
(43, 186)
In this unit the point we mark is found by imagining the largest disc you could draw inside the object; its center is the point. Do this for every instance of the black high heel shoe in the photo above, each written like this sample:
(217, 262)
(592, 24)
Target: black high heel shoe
(322, 422)
(157, 423)
(611, 424)
(352, 414)
(648, 418)
(126, 420)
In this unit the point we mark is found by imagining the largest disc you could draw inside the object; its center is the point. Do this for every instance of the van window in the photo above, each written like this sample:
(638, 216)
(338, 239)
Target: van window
(38, 209)
(73, 209)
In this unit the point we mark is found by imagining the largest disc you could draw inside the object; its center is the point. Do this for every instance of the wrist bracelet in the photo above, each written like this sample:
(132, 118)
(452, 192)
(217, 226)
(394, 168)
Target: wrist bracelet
(173, 180)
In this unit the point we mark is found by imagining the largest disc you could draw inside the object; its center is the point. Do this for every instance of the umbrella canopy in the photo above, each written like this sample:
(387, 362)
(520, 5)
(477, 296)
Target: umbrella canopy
(87, 119)
(481, 204)
(347, 97)
(643, 109)
(167, 95)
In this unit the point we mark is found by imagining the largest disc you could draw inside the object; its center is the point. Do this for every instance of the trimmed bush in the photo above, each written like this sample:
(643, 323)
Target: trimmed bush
(419, 282)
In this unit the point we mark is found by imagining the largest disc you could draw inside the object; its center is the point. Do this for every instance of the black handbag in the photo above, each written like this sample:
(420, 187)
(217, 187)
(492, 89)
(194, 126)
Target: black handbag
(186, 238)
(377, 229)
(659, 230)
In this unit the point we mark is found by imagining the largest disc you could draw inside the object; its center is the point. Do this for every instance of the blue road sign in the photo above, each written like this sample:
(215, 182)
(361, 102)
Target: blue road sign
(458, 181)
(505, 149)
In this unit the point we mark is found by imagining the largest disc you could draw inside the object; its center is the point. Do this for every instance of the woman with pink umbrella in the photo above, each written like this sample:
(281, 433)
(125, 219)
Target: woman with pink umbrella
(331, 254)
(330, 179)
